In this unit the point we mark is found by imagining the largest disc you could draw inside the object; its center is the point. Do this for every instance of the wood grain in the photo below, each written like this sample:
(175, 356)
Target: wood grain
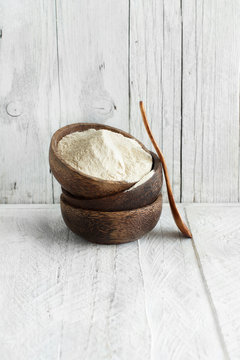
(176, 215)
(155, 78)
(64, 298)
(29, 107)
(210, 142)
(68, 61)
(93, 62)
(180, 317)
(161, 297)
(216, 234)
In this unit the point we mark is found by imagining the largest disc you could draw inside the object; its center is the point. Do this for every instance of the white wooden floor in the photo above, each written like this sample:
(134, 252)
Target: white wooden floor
(163, 297)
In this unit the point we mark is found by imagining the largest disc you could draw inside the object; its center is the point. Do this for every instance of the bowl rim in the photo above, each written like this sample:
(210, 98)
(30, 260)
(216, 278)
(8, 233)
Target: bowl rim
(56, 137)
(154, 203)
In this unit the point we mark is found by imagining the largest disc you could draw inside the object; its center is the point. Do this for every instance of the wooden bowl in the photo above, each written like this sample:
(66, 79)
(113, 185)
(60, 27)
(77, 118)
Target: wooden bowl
(138, 197)
(76, 182)
(111, 227)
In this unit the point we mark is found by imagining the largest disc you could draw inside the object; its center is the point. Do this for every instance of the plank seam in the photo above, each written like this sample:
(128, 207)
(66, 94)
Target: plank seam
(29, 207)
(129, 66)
(181, 104)
(57, 205)
(239, 140)
(58, 65)
(195, 103)
(208, 293)
(60, 349)
(112, 298)
(52, 190)
(95, 294)
(58, 76)
(144, 294)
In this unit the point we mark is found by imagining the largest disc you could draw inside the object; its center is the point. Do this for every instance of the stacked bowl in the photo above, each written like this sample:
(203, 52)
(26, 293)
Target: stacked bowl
(104, 211)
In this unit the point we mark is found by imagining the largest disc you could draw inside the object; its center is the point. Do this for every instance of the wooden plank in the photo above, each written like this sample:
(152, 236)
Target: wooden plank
(210, 146)
(155, 78)
(33, 254)
(106, 297)
(28, 206)
(216, 233)
(29, 106)
(179, 315)
(64, 298)
(93, 63)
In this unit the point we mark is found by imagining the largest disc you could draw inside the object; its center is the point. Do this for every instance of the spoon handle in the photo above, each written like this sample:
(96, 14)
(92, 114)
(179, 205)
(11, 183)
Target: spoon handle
(177, 218)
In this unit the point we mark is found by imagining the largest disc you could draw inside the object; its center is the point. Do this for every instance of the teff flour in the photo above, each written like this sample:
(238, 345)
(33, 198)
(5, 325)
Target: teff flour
(106, 155)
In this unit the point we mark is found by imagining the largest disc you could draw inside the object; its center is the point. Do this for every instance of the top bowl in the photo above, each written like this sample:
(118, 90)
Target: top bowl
(75, 182)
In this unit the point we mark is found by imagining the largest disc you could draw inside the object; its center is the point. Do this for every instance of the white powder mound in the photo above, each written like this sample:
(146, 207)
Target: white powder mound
(142, 180)
(105, 155)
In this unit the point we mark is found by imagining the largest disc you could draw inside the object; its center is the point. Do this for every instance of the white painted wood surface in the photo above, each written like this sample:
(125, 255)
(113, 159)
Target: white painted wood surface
(67, 61)
(93, 63)
(163, 297)
(210, 123)
(29, 104)
(155, 78)
(216, 232)
(180, 318)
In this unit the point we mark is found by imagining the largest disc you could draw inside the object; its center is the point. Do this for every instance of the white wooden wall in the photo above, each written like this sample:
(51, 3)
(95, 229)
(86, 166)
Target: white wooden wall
(67, 61)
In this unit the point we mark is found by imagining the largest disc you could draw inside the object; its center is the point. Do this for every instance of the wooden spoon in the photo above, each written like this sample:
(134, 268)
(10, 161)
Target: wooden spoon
(177, 218)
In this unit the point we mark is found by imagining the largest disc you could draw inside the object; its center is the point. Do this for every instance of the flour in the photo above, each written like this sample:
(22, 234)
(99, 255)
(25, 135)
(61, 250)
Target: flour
(142, 180)
(105, 155)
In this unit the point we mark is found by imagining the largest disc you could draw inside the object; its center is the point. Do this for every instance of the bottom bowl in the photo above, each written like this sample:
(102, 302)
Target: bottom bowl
(111, 227)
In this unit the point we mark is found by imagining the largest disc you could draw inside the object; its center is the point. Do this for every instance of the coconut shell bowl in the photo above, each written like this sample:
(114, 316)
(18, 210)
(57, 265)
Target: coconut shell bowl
(76, 182)
(102, 211)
